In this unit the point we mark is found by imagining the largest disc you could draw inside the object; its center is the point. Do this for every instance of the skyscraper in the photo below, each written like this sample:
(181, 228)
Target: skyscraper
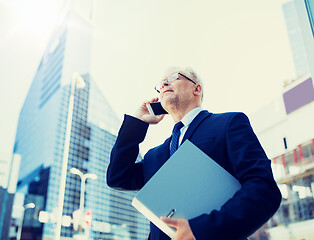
(8, 180)
(41, 135)
(305, 11)
(295, 38)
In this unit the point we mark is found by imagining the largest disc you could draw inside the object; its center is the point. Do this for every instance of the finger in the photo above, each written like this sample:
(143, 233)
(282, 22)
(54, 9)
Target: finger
(153, 100)
(160, 117)
(172, 222)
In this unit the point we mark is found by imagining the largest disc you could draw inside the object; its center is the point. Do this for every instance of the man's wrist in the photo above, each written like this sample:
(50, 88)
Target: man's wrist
(139, 118)
(133, 129)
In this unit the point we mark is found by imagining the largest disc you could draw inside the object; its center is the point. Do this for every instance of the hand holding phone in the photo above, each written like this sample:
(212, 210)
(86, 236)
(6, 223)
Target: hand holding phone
(145, 112)
(155, 108)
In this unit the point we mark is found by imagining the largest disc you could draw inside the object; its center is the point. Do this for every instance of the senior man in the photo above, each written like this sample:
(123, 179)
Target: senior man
(227, 138)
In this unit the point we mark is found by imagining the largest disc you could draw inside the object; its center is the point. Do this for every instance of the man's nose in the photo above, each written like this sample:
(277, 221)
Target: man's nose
(164, 83)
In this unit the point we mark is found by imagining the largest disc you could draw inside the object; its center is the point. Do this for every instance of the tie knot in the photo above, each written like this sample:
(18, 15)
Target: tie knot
(177, 126)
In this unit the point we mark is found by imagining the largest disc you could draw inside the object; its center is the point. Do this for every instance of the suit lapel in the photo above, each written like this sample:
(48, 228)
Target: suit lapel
(166, 148)
(195, 123)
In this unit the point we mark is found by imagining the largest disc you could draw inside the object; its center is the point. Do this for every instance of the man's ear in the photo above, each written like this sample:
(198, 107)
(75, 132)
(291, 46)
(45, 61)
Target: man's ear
(198, 90)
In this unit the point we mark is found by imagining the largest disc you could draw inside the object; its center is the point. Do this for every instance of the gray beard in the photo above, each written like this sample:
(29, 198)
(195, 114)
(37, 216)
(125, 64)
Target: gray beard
(173, 103)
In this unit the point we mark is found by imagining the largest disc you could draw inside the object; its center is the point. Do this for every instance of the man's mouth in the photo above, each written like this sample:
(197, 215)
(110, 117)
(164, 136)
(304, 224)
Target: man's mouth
(167, 91)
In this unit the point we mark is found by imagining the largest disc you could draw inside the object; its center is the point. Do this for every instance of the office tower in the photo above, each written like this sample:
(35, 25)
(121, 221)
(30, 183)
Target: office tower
(295, 38)
(3, 196)
(8, 180)
(285, 131)
(6, 201)
(40, 140)
(305, 11)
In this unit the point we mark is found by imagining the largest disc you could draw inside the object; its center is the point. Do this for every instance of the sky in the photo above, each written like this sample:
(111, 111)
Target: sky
(240, 49)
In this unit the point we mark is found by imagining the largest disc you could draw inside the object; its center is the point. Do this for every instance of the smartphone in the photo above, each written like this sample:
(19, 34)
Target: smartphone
(155, 108)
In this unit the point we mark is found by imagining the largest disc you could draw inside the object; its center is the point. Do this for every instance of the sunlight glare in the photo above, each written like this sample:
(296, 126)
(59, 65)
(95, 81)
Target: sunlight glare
(37, 15)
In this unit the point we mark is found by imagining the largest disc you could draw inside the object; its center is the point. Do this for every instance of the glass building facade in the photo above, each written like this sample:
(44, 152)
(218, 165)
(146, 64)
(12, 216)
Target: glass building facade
(295, 39)
(40, 141)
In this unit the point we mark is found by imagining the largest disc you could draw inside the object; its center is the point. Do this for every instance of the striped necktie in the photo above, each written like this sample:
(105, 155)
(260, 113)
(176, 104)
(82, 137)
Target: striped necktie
(175, 137)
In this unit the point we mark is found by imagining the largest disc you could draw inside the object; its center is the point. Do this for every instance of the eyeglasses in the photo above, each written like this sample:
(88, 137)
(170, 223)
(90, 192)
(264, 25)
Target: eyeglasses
(169, 79)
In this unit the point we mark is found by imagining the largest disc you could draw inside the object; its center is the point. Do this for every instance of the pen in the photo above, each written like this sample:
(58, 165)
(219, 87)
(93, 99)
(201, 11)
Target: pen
(171, 213)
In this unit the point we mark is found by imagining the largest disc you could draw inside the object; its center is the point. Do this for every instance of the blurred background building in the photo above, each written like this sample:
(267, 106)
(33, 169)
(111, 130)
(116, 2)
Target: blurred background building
(5, 199)
(284, 127)
(40, 140)
(286, 130)
(295, 38)
(8, 180)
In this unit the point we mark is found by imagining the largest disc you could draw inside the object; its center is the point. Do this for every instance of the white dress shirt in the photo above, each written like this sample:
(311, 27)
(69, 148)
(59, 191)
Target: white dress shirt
(186, 120)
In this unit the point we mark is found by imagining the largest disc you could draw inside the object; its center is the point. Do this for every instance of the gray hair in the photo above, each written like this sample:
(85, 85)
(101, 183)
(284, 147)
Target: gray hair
(189, 72)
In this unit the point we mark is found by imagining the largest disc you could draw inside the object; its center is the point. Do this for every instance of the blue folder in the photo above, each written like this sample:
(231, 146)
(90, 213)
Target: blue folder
(189, 184)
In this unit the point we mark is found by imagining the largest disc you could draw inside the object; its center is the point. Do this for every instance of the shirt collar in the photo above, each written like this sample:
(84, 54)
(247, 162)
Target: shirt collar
(188, 118)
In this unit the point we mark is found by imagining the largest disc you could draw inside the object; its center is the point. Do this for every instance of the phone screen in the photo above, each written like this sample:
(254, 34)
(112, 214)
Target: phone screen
(156, 109)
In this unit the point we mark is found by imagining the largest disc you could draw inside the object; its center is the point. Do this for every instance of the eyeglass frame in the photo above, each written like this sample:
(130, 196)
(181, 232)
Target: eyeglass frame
(167, 79)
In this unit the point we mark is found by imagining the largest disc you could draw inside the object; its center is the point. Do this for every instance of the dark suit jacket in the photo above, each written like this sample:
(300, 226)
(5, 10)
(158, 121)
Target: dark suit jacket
(228, 139)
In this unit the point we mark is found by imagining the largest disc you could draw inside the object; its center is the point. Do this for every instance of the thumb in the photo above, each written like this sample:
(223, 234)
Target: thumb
(172, 222)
